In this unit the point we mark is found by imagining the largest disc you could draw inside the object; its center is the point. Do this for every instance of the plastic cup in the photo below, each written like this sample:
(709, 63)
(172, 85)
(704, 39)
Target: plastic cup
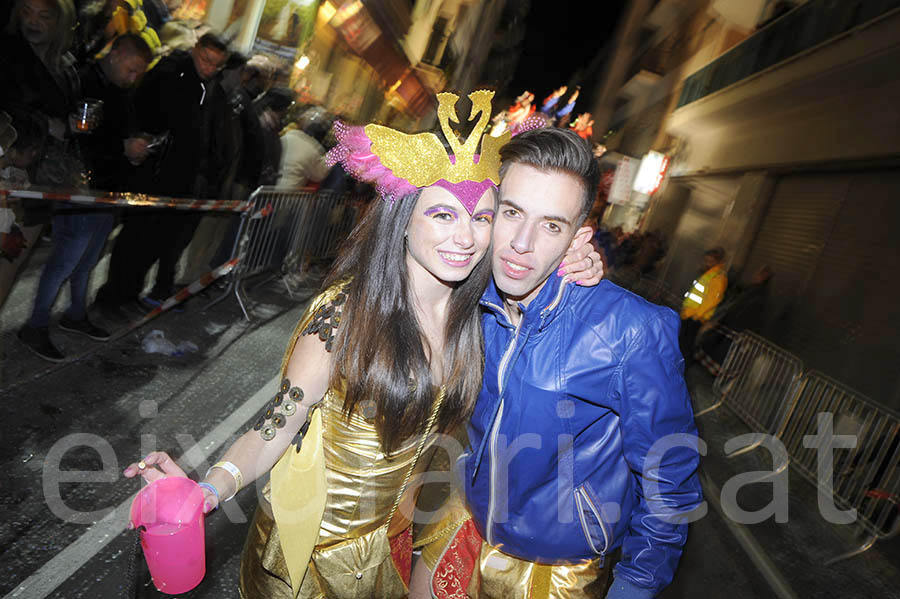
(170, 510)
(88, 115)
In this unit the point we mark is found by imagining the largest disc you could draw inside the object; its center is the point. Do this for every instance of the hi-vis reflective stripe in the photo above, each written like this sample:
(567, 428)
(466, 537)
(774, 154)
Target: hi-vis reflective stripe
(695, 294)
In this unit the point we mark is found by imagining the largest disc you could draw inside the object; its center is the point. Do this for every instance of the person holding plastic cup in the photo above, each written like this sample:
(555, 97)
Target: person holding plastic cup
(79, 233)
(388, 354)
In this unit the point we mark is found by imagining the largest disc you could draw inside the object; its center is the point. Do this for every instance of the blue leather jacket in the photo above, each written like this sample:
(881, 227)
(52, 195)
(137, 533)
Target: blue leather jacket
(564, 464)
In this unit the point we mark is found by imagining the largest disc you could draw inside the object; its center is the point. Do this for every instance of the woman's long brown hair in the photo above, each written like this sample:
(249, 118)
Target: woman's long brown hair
(379, 353)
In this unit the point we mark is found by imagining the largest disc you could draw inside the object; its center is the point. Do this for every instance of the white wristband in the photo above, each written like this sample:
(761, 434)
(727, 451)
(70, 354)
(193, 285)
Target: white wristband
(234, 471)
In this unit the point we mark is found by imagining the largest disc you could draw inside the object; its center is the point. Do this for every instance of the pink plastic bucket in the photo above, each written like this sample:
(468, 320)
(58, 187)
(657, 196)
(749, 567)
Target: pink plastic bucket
(171, 512)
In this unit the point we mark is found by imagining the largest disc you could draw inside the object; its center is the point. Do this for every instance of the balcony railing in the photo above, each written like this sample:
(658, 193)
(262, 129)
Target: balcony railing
(801, 29)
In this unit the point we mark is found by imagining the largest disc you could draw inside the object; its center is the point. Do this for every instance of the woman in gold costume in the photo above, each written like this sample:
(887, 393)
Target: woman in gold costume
(388, 355)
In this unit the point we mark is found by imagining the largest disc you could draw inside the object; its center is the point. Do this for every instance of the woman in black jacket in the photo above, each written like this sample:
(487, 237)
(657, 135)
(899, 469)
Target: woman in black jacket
(38, 78)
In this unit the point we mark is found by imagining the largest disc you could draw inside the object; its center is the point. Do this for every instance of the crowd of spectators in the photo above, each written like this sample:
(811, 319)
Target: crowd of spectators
(91, 97)
(640, 251)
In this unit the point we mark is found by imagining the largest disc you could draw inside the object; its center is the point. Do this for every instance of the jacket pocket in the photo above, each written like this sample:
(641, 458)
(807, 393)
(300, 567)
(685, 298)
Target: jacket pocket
(595, 531)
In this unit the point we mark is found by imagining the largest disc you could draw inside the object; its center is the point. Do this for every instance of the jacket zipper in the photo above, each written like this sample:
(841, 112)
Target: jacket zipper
(504, 362)
(587, 533)
(554, 303)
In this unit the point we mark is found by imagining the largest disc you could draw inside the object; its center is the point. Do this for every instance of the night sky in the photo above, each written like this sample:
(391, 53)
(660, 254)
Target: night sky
(562, 36)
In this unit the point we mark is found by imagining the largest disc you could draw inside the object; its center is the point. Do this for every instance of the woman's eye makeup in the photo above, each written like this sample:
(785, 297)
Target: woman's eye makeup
(441, 213)
(484, 216)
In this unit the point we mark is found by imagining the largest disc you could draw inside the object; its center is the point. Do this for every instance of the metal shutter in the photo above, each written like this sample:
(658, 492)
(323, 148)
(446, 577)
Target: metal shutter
(790, 240)
(698, 228)
(850, 306)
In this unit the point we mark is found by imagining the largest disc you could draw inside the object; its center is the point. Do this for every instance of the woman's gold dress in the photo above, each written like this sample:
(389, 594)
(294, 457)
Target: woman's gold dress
(362, 485)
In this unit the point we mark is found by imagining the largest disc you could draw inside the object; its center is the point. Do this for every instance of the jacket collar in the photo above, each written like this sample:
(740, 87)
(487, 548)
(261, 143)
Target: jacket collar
(539, 313)
(715, 270)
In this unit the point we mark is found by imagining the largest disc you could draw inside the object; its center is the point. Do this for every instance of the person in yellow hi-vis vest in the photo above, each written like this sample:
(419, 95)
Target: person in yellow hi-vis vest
(701, 299)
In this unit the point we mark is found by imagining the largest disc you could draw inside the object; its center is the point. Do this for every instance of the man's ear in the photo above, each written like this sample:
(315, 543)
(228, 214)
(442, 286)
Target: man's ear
(582, 236)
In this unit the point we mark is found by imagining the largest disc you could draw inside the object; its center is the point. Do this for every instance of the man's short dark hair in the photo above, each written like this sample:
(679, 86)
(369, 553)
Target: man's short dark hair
(214, 41)
(558, 150)
(133, 44)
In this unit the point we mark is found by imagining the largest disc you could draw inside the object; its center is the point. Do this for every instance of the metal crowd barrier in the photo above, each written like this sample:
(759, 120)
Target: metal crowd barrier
(866, 477)
(721, 329)
(758, 382)
(279, 231)
(623, 277)
(767, 388)
(133, 200)
(649, 288)
(327, 221)
(700, 353)
(283, 231)
(658, 292)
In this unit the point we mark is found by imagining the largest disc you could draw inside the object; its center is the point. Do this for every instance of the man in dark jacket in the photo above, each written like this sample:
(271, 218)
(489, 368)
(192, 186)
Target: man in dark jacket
(182, 100)
(182, 95)
(582, 440)
(79, 233)
(113, 149)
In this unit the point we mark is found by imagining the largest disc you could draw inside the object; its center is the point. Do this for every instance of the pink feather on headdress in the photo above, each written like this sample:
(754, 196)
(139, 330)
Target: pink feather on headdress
(354, 152)
(532, 122)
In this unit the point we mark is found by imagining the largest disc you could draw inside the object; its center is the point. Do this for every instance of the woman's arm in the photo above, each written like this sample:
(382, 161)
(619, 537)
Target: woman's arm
(308, 369)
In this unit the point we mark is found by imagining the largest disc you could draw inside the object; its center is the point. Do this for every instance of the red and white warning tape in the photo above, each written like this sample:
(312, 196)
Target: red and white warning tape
(189, 291)
(179, 297)
(126, 199)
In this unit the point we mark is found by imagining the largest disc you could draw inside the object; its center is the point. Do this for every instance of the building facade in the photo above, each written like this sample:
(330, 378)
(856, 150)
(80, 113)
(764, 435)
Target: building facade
(779, 120)
(366, 60)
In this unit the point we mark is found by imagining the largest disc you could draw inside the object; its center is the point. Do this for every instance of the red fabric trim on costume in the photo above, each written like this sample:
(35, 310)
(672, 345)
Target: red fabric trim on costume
(401, 553)
(453, 573)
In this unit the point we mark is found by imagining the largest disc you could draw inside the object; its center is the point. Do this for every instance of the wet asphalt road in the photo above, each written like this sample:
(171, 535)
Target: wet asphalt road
(106, 410)
(95, 414)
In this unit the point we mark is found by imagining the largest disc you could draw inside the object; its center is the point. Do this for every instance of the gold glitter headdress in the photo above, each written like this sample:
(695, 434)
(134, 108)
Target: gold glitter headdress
(398, 163)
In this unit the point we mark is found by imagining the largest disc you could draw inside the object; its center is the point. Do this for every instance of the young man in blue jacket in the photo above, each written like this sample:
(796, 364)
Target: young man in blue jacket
(582, 440)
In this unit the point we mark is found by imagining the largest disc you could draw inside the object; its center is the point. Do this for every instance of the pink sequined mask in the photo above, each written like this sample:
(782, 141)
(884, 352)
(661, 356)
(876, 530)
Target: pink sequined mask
(467, 192)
